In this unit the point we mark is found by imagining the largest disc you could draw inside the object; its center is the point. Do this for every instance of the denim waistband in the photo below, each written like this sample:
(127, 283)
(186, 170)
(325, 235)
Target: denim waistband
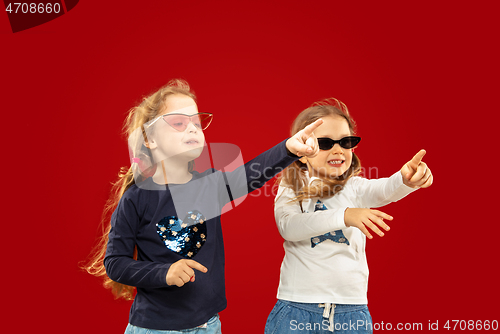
(316, 308)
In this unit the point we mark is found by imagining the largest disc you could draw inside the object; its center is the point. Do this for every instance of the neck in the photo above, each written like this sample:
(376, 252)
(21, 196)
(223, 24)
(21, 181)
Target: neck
(169, 172)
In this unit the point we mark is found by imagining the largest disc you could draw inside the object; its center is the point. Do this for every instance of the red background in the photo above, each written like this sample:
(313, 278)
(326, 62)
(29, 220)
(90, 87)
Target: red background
(413, 74)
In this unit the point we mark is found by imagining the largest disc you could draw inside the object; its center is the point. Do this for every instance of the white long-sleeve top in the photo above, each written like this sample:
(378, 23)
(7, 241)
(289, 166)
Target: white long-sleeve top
(325, 261)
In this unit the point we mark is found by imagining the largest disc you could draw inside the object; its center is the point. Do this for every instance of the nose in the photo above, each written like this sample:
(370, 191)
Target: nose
(337, 149)
(191, 127)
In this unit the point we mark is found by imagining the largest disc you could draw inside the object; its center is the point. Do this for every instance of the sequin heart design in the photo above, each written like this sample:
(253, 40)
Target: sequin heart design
(185, 237)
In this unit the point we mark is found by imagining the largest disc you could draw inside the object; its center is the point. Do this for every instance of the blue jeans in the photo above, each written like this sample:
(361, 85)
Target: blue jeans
(213, 327)
(292, 318)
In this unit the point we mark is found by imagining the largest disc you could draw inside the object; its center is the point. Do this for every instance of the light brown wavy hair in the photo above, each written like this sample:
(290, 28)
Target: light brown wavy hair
(150, 107)
(294, 176)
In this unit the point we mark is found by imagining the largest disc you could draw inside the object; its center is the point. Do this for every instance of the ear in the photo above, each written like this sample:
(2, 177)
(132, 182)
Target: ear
(303, 160)
(151, 144)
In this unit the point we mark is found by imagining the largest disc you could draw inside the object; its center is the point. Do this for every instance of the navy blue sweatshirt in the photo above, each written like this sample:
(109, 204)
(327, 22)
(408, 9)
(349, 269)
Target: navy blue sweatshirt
(147, 216)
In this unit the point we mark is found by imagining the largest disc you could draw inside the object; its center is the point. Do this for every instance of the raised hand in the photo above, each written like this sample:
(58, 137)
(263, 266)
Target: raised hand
(304, 143)
(416, 173)
(181, 272)
(363, 218)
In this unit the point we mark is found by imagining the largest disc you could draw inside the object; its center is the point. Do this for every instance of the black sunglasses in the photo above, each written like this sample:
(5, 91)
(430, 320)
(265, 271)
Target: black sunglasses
(326, 144)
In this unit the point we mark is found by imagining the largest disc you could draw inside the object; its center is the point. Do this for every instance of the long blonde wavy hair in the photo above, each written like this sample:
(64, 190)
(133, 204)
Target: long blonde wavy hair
(150, 107)
(294, 176)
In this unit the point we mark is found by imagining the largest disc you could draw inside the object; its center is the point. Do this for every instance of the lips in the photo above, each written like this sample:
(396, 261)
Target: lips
(192, 142)
(335, 162)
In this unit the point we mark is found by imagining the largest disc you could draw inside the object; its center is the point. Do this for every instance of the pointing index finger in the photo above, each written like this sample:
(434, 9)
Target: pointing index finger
(196, 265)
(308, 130)
(415, 161)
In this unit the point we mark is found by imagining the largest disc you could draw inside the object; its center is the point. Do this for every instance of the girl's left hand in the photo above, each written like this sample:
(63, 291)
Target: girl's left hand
(415, 172)
(304, 143)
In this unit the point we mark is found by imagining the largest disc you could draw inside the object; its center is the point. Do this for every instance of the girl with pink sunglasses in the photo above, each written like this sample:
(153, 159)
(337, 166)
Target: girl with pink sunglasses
(162, 246)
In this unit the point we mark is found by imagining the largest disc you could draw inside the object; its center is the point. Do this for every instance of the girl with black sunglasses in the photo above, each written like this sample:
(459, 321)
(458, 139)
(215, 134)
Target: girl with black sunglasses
(322, 212)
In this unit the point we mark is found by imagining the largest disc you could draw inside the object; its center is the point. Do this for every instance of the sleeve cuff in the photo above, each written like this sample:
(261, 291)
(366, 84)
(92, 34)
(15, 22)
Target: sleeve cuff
(402, 190)
(290, 154)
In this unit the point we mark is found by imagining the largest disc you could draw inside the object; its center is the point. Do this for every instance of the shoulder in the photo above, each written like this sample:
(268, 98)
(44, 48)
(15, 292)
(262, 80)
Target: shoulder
(284, 194)
(128, 203)
(287, 189)
(138, 196)
(132, 192)
(132, 196)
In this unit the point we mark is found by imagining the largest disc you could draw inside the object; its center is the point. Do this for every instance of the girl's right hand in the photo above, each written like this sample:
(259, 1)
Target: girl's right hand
(304, 143)
(363, 218)
(181, 272)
